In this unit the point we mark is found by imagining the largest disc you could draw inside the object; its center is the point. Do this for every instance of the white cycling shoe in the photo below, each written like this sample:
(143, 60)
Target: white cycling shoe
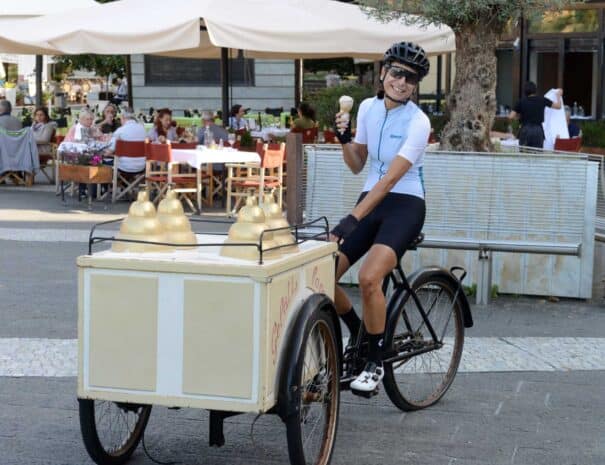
(369, 378)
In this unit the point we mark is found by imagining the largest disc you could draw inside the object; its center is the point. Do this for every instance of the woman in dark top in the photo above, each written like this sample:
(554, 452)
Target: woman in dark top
(109, 123)
(530, 110)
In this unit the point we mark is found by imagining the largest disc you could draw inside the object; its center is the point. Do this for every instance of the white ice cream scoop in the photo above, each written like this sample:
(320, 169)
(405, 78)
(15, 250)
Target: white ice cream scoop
(346, 105)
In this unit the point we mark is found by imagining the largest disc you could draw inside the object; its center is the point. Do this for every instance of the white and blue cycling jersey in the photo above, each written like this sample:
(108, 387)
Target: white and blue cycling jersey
(402, 131)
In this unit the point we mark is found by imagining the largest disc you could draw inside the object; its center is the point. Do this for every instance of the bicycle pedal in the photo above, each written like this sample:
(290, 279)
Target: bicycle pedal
(365, 394)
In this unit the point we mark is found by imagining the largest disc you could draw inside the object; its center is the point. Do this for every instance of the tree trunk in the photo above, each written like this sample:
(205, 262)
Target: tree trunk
(471, 105)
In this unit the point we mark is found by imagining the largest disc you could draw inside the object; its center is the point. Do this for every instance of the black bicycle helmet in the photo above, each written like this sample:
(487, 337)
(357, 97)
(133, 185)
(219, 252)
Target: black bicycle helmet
(410, 54)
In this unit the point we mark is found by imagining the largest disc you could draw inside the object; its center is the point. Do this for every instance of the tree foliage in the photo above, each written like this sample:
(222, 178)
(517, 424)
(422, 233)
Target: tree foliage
(103, 65)
(478, 25)
(459, 14)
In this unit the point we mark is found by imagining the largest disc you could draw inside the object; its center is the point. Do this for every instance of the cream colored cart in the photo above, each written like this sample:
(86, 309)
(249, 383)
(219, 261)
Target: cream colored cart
(192, 328)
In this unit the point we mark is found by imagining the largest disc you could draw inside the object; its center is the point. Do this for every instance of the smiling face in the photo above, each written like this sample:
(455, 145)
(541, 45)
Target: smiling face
(166, 121)
(397, 86)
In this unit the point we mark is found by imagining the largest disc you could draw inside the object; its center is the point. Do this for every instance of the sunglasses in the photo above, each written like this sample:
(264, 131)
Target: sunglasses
(397, 73)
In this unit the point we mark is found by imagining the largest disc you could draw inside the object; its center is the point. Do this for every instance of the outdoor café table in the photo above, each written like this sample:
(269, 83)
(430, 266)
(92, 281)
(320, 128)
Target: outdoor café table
(266, 133)
(204, 156)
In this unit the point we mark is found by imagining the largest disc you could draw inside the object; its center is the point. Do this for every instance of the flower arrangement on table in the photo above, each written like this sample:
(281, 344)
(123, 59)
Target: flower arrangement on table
(84, 163)
(83, 159)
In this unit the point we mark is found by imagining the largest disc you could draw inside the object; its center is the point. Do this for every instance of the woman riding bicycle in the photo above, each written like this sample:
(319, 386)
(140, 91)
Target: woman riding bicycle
(393, 133)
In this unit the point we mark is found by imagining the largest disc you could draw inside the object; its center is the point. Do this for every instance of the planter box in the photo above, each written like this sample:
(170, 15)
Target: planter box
(86, 174)
(593, 150)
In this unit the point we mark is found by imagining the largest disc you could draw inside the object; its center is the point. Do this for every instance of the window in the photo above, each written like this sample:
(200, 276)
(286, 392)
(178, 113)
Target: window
(166, 71)
(566, 21)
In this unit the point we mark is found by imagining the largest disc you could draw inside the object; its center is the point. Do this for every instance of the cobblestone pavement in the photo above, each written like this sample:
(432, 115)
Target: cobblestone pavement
(530, 389)
(58, 357)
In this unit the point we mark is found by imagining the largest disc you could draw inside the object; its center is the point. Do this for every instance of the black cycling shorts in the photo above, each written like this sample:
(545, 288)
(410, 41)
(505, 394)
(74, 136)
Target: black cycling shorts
(395, 222)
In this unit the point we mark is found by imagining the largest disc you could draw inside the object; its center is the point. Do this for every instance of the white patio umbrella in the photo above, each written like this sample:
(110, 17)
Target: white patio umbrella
(206, 29)
(193, 28)
(20, 10)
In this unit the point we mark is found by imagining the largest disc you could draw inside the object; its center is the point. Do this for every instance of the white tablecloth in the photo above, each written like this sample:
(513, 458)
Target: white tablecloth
(266, 132)
(197, 157)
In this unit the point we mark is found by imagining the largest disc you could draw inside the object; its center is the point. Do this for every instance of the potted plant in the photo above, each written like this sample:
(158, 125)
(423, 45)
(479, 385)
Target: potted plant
(593, 137)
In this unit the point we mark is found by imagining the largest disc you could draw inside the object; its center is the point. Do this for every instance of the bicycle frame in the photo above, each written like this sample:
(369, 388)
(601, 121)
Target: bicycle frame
(355, 357)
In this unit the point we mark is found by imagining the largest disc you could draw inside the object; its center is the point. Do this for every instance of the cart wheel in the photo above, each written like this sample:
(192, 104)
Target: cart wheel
(112, 430)
(311, 429)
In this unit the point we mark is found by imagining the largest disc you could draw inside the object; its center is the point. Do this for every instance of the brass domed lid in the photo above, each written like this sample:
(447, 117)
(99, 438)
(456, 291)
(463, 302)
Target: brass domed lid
(141, 224)
(248, 228)
(176, 225)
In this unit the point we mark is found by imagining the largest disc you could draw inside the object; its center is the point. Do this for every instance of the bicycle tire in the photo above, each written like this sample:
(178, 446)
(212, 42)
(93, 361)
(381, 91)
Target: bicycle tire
(98, 449)
(404, 380)
(312, 373)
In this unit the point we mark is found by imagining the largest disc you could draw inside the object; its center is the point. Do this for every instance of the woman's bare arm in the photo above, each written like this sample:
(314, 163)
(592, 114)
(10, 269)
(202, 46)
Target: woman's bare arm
(355, 156)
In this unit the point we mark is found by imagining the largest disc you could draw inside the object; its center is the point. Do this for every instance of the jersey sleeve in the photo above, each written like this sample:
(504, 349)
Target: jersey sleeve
(548, 102)
(417, 140)
(361, 133)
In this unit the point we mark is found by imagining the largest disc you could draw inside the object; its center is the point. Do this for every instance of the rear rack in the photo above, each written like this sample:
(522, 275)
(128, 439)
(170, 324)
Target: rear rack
(317, 229)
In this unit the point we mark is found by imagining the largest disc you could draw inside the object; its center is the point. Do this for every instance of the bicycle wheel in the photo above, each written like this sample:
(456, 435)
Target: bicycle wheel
(112, 430)
(311, 431)
(422, 378)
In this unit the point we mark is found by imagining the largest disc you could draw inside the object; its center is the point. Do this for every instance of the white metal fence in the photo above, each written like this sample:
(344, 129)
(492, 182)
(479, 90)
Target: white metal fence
(517, 196)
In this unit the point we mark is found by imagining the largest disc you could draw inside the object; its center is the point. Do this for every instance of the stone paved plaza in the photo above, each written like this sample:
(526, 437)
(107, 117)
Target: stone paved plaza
(530, 388)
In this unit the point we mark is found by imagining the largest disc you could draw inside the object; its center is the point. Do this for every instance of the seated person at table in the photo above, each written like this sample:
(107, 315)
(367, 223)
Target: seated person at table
(306, 117)
(132, 131)
(208, 123)
(7, 121)
(236, 118)
(109, 123)
(163, 129)
(84, 130)
(43, 130)
(573, 128)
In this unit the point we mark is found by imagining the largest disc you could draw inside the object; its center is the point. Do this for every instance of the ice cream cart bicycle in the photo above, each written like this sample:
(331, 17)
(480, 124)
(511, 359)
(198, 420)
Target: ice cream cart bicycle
(158, 329)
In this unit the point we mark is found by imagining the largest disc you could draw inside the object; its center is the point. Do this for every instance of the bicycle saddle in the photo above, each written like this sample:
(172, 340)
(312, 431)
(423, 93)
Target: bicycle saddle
(418, 240)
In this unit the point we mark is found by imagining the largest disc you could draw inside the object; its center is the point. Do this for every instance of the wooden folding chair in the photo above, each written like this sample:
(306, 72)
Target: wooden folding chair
(259, 178)
(125, 182)
(48, 159)
(309, 136)
(568, 145)
(161, 172)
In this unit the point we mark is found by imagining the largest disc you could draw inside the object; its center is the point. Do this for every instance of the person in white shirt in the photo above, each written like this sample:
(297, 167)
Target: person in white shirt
(392, 134)
(133, 131)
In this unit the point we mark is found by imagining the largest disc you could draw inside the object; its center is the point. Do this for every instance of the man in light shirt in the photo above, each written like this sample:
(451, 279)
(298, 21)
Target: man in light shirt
(132, 131)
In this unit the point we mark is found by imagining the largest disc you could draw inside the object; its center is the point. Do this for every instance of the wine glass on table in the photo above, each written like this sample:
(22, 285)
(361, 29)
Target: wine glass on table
(231, 139)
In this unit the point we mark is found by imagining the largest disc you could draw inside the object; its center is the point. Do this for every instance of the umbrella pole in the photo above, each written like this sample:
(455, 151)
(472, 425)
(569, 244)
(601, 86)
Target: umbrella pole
(129, 80)
(225, 84)
(39, 65)
(298, 82)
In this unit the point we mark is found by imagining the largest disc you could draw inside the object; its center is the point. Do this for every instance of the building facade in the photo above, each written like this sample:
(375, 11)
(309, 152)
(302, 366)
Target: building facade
(183, 84)
(556, 49)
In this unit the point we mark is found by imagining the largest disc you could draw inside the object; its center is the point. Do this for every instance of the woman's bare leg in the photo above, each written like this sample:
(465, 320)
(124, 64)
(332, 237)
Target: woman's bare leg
(379, 262)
